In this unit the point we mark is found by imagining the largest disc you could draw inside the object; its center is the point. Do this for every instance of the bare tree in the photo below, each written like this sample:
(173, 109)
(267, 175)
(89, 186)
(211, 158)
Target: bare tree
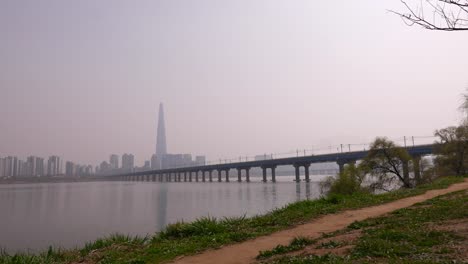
(386, 162)
(446, 15)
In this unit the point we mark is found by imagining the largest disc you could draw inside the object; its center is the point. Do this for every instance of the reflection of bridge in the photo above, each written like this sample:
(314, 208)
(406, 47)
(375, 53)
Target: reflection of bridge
(192, 173)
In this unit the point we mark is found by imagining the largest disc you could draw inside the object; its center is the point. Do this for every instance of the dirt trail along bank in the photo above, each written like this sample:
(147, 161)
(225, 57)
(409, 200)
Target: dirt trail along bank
(246, 252)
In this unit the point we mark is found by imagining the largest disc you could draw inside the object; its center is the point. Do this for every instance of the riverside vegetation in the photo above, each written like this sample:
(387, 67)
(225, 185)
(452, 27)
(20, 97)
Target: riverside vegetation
(434, 231)
(190, 238)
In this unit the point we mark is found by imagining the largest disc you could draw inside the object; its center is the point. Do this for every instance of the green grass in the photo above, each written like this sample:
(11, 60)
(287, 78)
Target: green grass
(205, 233)
(296, 244)
(405, 236)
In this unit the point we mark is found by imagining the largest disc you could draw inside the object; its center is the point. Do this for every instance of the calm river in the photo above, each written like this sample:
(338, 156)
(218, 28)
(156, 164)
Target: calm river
(35, 216)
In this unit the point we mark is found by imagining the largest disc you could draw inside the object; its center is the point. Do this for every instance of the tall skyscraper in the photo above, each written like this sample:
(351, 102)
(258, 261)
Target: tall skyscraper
(161, 147)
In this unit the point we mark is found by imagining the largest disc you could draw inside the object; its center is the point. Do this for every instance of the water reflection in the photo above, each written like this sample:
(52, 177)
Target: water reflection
(161, 210)
(35, 216)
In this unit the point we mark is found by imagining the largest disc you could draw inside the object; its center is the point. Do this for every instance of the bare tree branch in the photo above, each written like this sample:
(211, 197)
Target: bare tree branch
(448, 15)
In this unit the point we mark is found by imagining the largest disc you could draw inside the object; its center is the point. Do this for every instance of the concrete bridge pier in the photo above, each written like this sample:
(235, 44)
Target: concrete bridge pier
(185, 176)
(210, 175)
(264, 174)
(203, 176)
(273, 174)
(247, 174)
(342, 163)
(227, 175)
(298, 174)
(196, 176)
(341, 166)
(306, 170)
(190, 176)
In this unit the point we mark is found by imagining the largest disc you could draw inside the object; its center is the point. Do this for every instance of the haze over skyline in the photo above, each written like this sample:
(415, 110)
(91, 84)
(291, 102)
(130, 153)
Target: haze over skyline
(84, 79)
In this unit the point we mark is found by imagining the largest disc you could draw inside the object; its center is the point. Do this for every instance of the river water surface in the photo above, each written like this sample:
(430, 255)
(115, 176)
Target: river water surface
(67, 215)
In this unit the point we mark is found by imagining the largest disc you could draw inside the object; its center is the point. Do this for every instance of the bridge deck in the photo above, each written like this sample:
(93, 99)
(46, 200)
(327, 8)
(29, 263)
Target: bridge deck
(344, 157)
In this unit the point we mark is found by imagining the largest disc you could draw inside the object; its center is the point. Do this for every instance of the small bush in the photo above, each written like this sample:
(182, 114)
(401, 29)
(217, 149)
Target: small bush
(346, 183)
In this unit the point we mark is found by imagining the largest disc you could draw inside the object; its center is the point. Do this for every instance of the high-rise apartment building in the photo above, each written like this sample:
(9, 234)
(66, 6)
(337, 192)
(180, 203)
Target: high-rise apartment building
(31, 162)
(104, 167)
(11, 166)
(53, 166)
(23, 169)
(70, 169)
(114, 161)
(2, 167)
(35, 166)
(39, 167)
(128, 162)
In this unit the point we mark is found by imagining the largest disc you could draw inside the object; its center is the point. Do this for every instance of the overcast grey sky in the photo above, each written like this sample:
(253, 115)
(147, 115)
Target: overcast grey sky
(83, 79)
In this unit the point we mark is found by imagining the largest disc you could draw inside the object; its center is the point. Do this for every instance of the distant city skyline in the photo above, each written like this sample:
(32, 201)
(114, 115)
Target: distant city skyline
(238, 78)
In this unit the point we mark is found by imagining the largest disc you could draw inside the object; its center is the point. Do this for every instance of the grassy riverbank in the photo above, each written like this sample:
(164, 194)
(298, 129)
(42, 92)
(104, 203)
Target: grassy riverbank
(189, 238)
(434, 231)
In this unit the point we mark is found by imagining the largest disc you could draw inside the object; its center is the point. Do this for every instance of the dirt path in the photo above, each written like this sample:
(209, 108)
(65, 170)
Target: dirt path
(246, 252)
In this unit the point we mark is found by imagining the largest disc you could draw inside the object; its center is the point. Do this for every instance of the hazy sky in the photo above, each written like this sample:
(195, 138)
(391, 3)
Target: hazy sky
(83, 79)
